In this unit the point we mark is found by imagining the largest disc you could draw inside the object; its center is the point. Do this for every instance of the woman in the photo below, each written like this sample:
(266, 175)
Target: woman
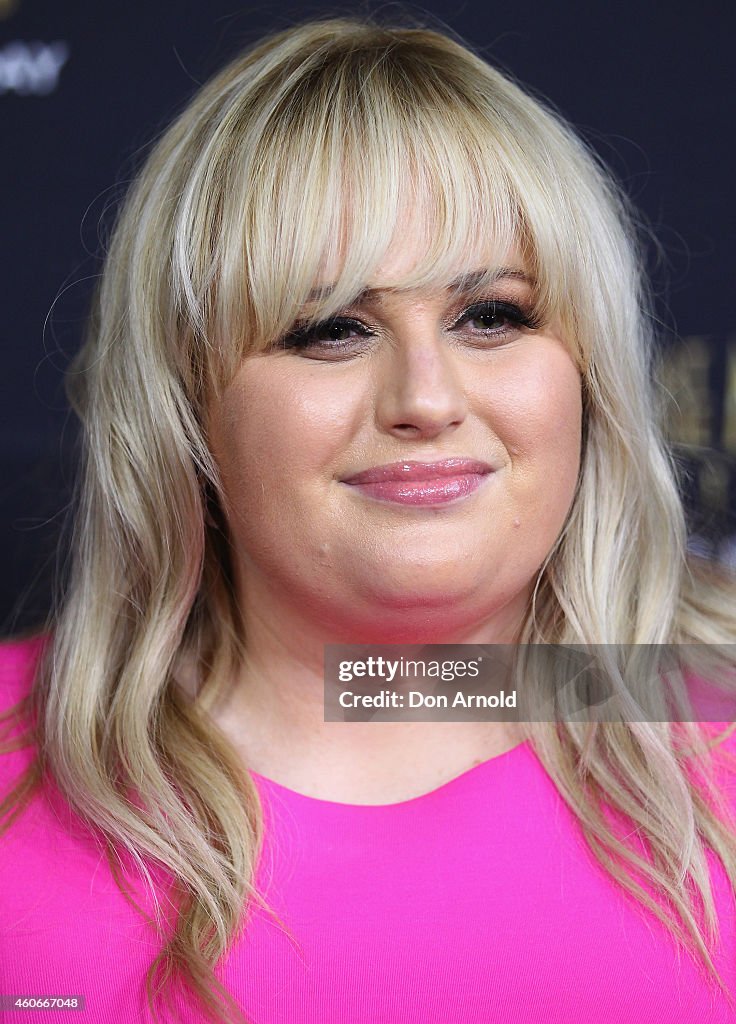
(369, 363)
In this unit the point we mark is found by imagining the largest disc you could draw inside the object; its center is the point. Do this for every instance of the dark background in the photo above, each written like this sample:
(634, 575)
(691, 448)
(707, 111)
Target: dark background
(652, 87)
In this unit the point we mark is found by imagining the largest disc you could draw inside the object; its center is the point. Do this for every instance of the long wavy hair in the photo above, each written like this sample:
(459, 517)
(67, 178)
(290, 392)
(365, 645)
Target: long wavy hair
(305, 148)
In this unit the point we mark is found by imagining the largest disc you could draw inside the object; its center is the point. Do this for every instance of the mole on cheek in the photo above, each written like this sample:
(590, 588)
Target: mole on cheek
(323, 552)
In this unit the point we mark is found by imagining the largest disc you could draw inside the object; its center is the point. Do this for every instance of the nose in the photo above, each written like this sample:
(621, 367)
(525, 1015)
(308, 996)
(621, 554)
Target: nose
(420, 393)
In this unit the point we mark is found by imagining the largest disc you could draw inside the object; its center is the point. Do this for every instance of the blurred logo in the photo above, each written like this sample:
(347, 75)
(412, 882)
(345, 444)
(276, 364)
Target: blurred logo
(7, 7)
(31, 69)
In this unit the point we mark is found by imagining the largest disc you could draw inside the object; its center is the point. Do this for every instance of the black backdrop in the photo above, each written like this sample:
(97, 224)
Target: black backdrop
(85, 86)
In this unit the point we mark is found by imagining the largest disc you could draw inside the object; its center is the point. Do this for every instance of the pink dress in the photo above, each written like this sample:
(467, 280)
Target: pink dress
(478, 901)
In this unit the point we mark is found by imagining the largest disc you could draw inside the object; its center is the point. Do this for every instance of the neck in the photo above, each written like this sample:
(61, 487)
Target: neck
(274, 712)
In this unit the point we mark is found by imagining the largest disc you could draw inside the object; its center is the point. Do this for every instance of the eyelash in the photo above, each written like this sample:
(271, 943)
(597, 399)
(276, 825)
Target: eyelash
(302, 337)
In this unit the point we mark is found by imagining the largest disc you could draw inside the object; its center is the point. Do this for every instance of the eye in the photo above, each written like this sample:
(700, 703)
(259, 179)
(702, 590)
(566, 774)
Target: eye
(497, 319)
(346, 336)
(338, 333)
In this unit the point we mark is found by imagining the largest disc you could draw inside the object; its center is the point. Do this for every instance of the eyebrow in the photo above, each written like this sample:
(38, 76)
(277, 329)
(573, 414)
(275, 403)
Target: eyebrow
(465, 282)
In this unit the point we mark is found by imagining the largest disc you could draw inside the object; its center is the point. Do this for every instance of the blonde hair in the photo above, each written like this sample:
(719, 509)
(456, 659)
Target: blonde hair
(305, 148)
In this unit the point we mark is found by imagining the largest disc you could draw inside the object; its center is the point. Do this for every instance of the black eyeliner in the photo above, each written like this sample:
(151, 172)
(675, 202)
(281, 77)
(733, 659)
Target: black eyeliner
(513, 313)
(302, 333)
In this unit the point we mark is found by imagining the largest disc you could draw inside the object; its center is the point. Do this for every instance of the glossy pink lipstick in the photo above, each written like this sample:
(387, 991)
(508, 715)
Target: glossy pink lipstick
(421, 483)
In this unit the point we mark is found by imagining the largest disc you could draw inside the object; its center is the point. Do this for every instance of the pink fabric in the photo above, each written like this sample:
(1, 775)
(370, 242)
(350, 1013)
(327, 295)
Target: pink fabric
(476, 902)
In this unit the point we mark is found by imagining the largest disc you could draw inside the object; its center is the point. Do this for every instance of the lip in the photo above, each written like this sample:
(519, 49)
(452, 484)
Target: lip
(421, 483)
(410, 470)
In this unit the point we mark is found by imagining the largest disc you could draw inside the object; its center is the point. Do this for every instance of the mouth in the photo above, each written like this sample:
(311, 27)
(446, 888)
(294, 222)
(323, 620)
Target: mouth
(410, 469)
(421, 483)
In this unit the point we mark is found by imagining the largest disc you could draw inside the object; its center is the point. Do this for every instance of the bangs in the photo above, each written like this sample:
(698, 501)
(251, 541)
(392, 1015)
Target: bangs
(354, 150)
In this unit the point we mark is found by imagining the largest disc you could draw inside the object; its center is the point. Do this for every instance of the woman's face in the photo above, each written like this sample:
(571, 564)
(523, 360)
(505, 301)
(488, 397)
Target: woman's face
(402, 377)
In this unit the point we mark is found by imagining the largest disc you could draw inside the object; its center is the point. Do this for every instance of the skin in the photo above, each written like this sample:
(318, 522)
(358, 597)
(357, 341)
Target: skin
(318, 562)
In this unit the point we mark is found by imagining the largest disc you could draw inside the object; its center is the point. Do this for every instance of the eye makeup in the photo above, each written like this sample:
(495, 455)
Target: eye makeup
(502, 320)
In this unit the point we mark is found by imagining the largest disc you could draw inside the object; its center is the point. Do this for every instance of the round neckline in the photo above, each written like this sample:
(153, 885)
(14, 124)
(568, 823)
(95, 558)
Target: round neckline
(293, 794)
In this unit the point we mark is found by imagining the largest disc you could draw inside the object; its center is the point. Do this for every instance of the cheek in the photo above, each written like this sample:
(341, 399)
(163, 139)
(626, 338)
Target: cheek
(538, 415)
(271, 432)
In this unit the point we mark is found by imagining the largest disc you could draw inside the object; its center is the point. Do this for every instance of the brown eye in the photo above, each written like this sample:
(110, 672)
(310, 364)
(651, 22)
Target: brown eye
(496, 319)
(336, 332)
(331, 334)
(487, 321)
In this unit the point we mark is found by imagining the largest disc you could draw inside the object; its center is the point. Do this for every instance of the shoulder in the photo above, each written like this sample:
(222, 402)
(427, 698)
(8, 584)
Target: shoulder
(712, 772)
(721, 740)
(19, 659)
